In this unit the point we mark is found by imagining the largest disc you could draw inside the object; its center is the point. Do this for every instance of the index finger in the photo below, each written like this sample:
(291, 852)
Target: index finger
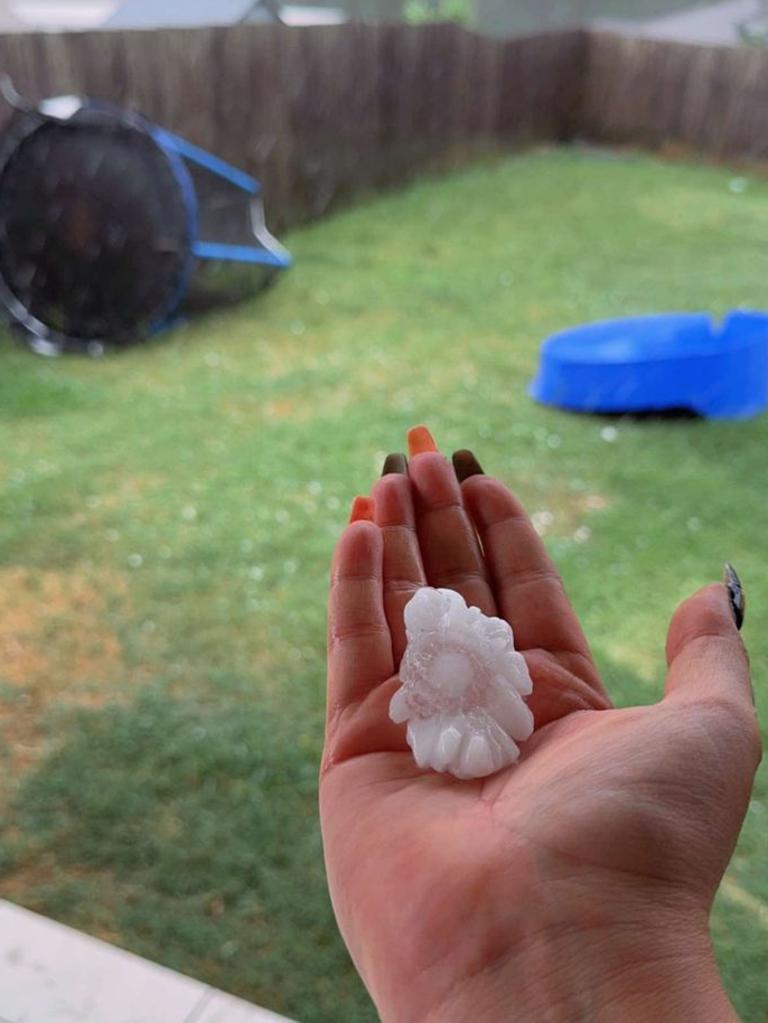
(528, 587)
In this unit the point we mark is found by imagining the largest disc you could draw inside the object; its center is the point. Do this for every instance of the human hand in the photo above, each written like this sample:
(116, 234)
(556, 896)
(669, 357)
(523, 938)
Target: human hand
(575, 885)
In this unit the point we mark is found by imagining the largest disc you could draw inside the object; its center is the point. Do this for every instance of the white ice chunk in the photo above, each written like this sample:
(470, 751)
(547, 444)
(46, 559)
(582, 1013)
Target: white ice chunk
(448, 746)
(398, 707)
(423, 736)
(509, 751)
(418, 617)
(510, 712)
(452, 672)
(462, 687)
(477, 761)
(518, 670)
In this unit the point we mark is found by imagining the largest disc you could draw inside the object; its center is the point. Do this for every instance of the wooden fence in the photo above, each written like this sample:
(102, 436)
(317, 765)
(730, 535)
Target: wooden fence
(710, 99)
(318, 114)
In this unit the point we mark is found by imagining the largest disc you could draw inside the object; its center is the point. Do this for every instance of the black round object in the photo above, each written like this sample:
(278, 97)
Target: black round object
(94, 229)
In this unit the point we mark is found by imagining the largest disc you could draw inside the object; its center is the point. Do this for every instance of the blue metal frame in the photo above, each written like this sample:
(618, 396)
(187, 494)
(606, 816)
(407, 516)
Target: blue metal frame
(239, 254)
(269, 252)
(184, 180)
(175, 144)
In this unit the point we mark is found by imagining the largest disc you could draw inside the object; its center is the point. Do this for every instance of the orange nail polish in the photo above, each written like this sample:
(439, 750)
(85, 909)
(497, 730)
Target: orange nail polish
(362, 508)
(420, 440)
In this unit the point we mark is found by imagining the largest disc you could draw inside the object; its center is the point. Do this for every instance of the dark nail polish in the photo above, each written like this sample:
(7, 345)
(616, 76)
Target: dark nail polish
(395, 463)
(736, 596)
(465, 465)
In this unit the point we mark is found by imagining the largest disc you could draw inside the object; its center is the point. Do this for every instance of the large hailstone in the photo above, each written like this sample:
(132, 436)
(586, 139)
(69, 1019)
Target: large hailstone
(462, 688)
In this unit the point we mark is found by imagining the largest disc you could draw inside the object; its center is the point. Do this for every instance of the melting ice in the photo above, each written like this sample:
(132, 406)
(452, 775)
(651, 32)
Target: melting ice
(463, 687)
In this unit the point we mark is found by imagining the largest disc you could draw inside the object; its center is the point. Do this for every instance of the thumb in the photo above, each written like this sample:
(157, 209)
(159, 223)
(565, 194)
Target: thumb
(706, 657)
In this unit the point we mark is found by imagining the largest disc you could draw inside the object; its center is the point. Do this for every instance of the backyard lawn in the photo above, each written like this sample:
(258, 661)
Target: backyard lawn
(167, 517)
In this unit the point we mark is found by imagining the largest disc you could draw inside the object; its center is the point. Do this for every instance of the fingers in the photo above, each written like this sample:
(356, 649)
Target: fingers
(403, 572)
(528, 588)
(558, 690)
(359, 644)
(707, 660)
(450, 553)
(362, 508)
(420, 441)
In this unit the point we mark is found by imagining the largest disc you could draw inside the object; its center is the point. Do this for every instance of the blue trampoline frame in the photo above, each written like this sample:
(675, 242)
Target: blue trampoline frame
(266, 250)
(269, 251)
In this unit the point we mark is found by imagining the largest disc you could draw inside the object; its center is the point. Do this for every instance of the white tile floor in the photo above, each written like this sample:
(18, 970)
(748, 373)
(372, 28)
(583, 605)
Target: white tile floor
(50, 973)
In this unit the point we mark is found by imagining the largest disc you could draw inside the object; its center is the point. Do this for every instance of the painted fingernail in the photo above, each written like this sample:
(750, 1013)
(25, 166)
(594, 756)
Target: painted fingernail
(736, 597)
(465, 465)
(395, 463)
(362, 508)
(420, 440)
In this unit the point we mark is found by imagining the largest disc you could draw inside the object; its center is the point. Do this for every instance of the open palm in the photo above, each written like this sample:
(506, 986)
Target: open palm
(611, 816)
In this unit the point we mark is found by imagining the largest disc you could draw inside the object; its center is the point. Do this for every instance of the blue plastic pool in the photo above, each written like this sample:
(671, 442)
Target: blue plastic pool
(652, 363)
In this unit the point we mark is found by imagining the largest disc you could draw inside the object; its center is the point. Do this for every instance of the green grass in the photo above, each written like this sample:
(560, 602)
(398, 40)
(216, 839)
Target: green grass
(167, 516)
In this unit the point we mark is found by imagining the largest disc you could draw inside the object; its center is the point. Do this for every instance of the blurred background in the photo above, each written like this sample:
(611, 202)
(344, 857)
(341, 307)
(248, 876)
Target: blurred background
(500, 17)
(455, 180)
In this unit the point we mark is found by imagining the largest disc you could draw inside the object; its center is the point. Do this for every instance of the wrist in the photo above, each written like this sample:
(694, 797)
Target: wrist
(669, 975)
(630, 974)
